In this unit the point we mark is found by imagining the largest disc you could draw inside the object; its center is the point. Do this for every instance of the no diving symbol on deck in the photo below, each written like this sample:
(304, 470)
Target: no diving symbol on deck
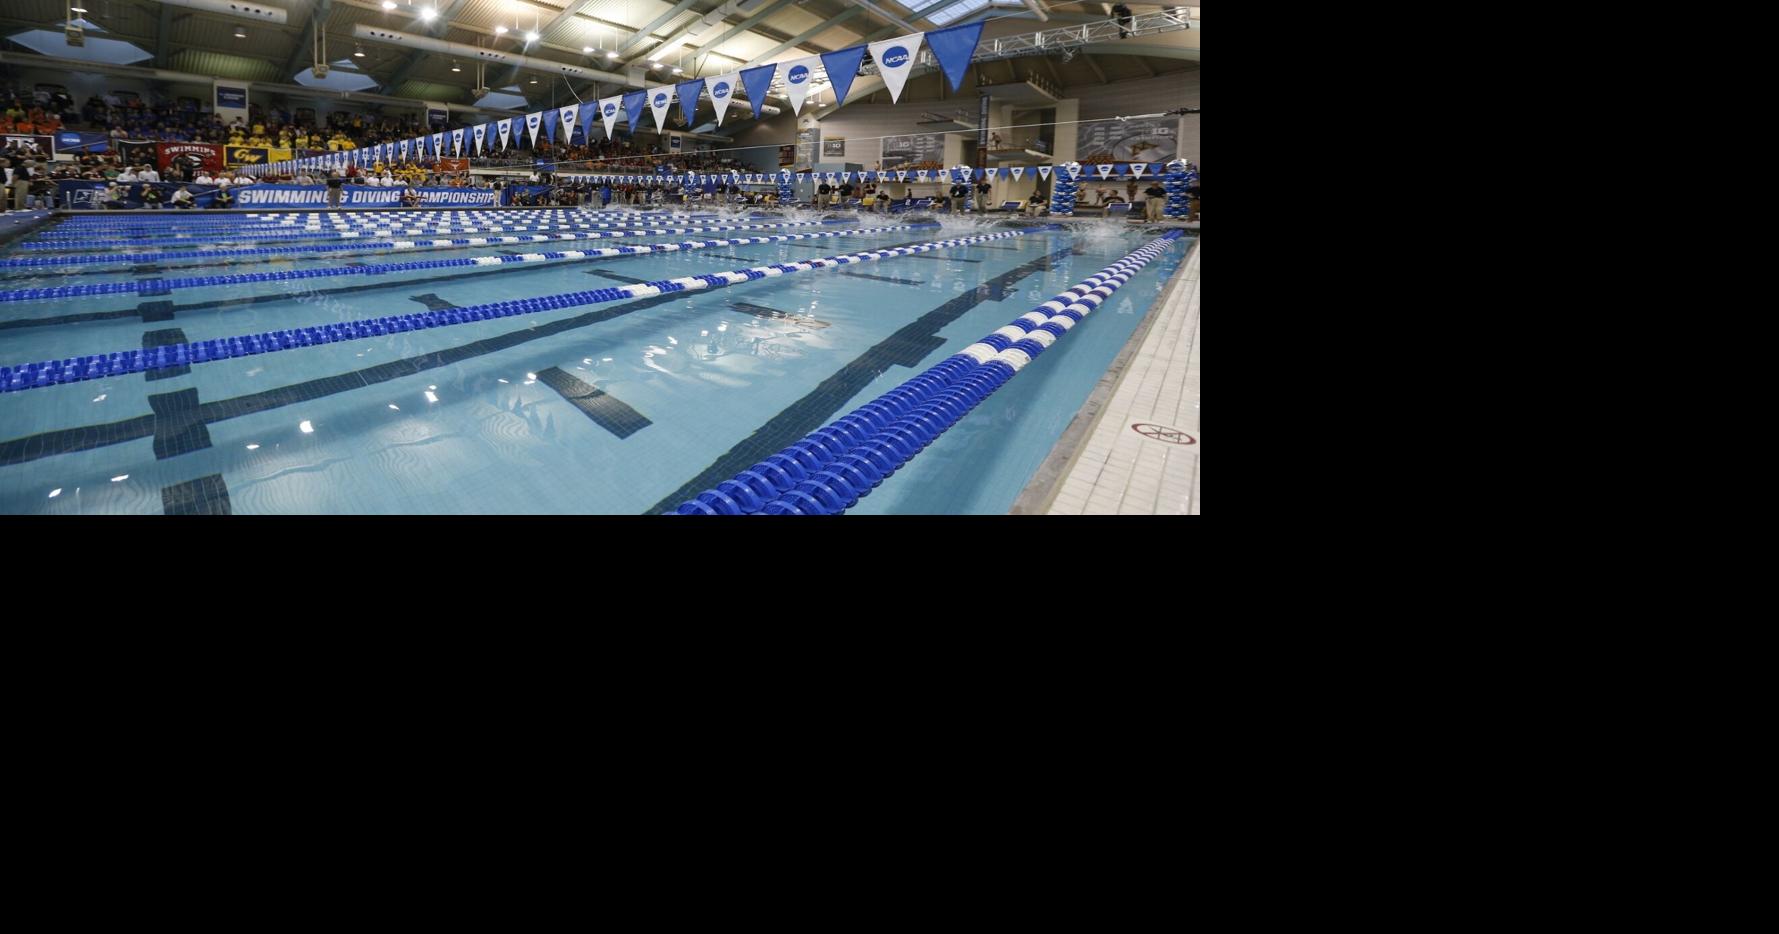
(1163, 433)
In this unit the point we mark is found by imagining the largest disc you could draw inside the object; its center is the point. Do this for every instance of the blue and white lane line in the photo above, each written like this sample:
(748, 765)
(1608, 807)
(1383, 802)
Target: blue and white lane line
(830, 469)
(162, 285)
(75, 369)
(71, 243)
(108, 222)
(376, 245)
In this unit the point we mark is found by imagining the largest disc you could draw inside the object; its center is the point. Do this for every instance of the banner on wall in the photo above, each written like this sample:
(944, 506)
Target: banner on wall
(230, 100)
(437, 114)
(253, 155)
(1153, 140)
(276, 195)
(209, 156)
(453, 165)
(45, 144)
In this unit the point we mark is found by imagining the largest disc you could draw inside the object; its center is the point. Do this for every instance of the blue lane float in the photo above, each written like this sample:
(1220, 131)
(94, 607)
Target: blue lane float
(377, 245)
(830, 469)
(97, 366)
(164, 286)
(63, 243)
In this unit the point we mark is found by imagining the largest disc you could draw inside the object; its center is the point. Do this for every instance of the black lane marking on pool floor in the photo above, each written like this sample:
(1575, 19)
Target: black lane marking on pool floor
(773, 314)
(617, 277)
(433, 302)
(71, 440)
(205, 496)
(606, 412)
(906, 348)
(866, 275)
(165, 338)
(179, 425)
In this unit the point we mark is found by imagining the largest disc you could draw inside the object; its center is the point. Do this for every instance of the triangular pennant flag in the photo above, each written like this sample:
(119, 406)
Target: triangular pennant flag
(1043, 171)
(798, 75)
(532, 123)
(550, 123)
(608, 113)
(954, 48)
(722, 91)
(803, 176)
(922, 174)
(843, 66)
(758, 81)
(895, 58)
(1018, 171)
(438, 144)
(402, 148)
(846, 176)
(660, 99)
(688, 98)
(457, 142)
(635, 102)
(1104, 170)
(505, 127)
(901, 175)
(1074, 169)
(481, 132)
(1136, 169)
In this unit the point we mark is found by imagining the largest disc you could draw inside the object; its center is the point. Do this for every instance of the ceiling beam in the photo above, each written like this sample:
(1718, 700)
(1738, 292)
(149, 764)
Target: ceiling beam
(437, 28)
(162, 48)
(794, 41)
(545, 32)
(744, 25)
(644, 33)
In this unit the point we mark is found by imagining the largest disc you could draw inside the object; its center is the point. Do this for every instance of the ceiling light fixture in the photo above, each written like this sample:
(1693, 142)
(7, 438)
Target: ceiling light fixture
(585, 49)
(78, 9)
(455, 66)
(500, 30)
(612, 54)
(428, 15)
(531, 36)
(358, 51)
(240, 33)
(388, 4)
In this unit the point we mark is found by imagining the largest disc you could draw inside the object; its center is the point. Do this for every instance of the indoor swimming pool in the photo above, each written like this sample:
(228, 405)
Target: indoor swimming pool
(530, 361)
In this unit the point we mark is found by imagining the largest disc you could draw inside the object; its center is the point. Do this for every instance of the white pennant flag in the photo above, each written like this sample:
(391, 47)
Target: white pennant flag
(1018, 170)
(1043, 171)
(798, 75)
(1074, 169)
(659, 100)
(532, 122)
(506, 131)
(847, 176)
(895, 58)
(1136, 169)
(402, 148)
(608, 111)
(901, 175)
(1105, 170)
(922, 174)
(803, 176)
(481, 131)
(457, 141)
(438, 144)
(722, 91)
(565, 117)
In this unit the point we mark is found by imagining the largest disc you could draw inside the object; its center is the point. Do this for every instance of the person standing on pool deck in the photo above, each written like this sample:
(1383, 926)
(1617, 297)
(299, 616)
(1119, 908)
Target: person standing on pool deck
(335, 189)
(605, 195)
(1156, 199)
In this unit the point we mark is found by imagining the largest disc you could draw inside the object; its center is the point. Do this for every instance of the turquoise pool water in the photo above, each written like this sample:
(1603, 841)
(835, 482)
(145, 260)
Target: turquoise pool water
(626, 407)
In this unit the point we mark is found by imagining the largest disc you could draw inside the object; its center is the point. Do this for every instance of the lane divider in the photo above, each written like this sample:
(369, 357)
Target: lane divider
(830, 469)
(361, 246)
(75, 369)
(163, 286)
(87, 242)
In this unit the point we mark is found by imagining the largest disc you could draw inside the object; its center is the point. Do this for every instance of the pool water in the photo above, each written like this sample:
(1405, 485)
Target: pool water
(629, 406)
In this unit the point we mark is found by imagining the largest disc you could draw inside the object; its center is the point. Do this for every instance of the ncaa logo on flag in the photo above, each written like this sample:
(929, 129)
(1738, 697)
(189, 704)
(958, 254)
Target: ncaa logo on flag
(799, 75)
(532, 119)
(721, 90)
(660, 100)
(611, 109)
(895, 56)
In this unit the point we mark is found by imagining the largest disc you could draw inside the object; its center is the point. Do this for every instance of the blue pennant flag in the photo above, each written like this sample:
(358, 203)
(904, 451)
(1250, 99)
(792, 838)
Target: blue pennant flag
(587, 120)
(757, 81)
(842, 67)
(550, 124)
(688, 98)
(634, 102)
(954, 48)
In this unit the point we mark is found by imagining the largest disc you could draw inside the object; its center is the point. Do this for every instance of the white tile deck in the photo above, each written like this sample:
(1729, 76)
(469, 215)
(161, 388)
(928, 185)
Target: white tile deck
(1123, 472)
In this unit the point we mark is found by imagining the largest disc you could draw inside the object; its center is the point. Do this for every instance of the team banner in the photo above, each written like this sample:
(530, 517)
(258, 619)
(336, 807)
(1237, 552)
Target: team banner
(457, 142)
(481, 132)
(532, 123)
(1043, 171)
(895, 59)
(263, 195)
(797, 74)
(567, 116)
(722, 91)
(843, 67)
(505, 127)
(253, 155)
(659, 100)
(954, 48)
(757, 81)
(206, 155)
(688, 92)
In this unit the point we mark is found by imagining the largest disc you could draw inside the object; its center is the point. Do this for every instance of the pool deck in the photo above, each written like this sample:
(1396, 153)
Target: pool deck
(1133, 449)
